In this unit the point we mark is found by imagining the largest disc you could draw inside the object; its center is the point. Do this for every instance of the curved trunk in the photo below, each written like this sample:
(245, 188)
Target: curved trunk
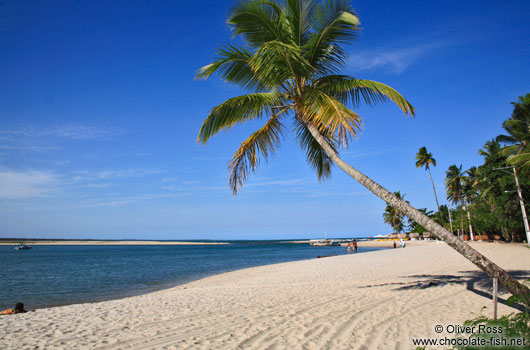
(436, 198)
(471, 254)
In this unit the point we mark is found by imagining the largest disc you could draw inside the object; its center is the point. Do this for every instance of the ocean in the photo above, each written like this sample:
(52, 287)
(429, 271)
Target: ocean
(48, 276)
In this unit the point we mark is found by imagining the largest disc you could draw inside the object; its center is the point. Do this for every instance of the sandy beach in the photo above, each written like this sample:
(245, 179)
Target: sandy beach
(359, 301)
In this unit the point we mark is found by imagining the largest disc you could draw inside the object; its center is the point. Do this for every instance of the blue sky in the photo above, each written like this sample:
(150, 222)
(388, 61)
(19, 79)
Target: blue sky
(99, 112)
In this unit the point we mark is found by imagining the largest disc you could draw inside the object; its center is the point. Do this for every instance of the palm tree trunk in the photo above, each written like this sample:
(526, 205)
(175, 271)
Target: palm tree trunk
(469, 222)
(486, 265)
(450, 219)
(461, 222)
(436, 198)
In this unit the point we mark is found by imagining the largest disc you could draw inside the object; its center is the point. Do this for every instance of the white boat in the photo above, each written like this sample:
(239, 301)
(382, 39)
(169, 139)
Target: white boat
(324, 242)
(22, 247)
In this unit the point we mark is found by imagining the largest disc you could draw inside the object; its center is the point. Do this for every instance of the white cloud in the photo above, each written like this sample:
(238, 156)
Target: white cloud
(29, 184)
(277, 183)
(115, 174)
(32, 138)
(397, 60)
(359, 154)
(120, 201)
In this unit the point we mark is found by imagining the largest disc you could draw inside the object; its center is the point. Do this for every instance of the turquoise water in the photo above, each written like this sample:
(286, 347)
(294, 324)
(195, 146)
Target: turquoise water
(60, 275)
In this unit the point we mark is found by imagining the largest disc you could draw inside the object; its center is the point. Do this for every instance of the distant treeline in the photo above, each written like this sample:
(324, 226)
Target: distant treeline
(485, 198)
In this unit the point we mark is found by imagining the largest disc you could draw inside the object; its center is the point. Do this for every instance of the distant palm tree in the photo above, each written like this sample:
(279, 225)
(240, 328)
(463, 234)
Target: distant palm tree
(456, 184)
(393, 216)
(471, 182)
(517, 141)
(425, 159)
(290, 65)
(491, 148)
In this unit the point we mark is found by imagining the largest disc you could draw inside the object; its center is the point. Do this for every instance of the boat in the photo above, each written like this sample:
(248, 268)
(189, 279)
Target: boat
(22, 247)
(324, 242)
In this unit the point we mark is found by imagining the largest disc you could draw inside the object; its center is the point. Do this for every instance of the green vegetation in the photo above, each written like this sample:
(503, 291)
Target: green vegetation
(509, 332)
(393, 216)
(485, 199)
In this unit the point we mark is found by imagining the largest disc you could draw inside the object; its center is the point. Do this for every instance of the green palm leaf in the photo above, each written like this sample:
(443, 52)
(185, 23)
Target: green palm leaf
(334, 23)
(348, 89)
(259, 22)
(522, 159)
(238, 110)
(298, 13)
(317, 158)
(276, 62)
(263, 142)
(232, 64)
(331, 116)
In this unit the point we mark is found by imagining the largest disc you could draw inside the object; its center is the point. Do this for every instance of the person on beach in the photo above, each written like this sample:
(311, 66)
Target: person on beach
(394, 244)
(19, 308)
(354, 244)
(349, 247)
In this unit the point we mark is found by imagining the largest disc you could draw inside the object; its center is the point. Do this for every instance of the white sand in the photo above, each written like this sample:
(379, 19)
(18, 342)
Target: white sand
(362, 301)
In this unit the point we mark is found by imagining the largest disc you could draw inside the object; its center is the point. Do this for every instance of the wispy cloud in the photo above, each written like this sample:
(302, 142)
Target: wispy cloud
(121, 201)
(114, 174)
(358, 154)
(33, 138)
(29, 184)
(291, 182)
(394, 59)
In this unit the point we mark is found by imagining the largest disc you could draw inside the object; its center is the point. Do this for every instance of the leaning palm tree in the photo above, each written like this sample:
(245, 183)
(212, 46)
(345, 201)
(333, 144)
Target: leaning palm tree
(393, 216)
(289, 63)
(425, 159)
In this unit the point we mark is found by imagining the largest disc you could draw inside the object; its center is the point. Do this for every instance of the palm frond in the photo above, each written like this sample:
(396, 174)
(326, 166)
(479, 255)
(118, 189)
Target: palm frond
(238, 110)
(506, 139)
(232, 64)
(522, 159)
(331, 116)
(259, 22)
(334, 23)
(347, 89)
(263, 142)
(510, 150)
(275, 62)
(317, 158)
(299, 13)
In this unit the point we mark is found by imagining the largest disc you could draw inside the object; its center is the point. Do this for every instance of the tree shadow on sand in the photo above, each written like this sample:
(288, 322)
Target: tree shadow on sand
(475, 281)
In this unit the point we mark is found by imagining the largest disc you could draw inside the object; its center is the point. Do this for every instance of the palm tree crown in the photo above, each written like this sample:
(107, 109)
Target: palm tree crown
(517, 140)
(290, 65)
(393, 216)
(455, 182)
(424, 159)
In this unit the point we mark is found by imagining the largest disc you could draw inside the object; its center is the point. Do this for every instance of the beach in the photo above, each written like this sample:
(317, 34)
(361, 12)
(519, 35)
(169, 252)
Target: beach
(358, 301)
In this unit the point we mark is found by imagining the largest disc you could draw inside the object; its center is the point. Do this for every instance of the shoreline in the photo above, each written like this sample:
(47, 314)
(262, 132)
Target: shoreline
(370, 243)
(370, 300)
(176, 284)
(103, 242)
